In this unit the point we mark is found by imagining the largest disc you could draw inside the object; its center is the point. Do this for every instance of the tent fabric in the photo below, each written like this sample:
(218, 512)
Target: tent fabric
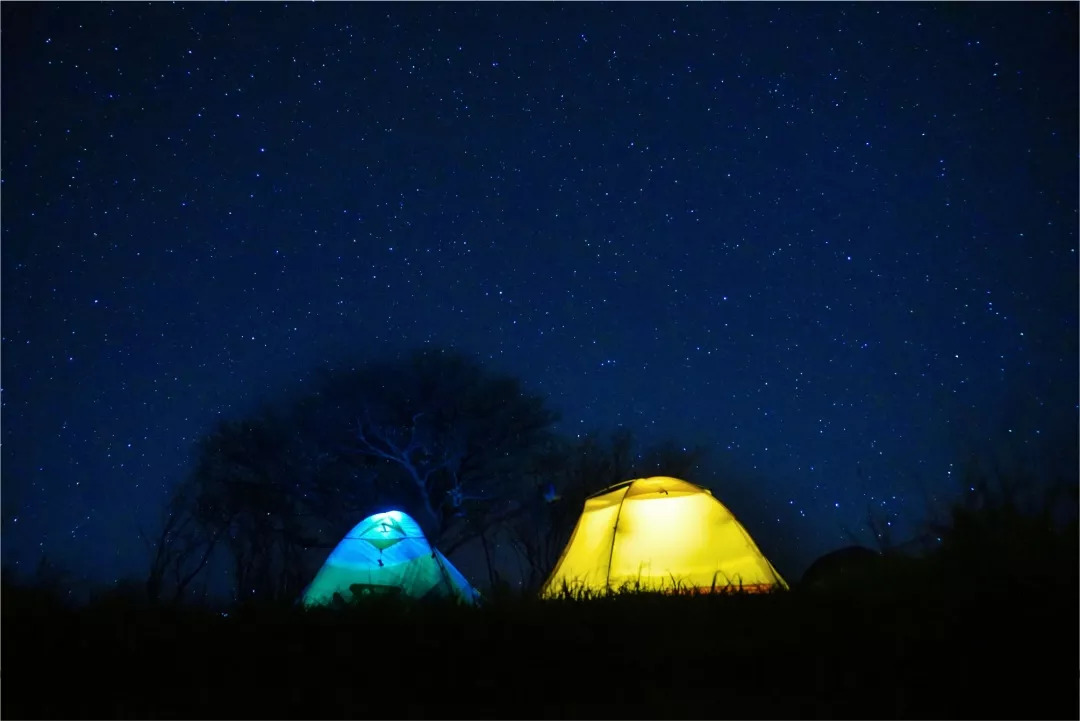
(387, 553)
(658, 534)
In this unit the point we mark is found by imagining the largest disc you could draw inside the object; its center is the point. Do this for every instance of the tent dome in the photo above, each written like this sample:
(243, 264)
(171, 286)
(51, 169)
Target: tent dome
(659, 533)
(386, 553)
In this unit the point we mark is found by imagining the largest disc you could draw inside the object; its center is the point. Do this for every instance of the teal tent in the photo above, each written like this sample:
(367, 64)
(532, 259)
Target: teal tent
(387, 553)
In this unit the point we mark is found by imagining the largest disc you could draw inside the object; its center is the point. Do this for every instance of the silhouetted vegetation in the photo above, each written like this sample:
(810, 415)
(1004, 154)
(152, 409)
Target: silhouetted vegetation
(448, 438)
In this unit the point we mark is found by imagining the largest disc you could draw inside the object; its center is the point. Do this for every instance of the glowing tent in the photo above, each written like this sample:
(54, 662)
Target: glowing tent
(657, 534)
(386, 553)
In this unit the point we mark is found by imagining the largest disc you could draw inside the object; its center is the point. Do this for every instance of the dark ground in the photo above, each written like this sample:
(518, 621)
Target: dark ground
(911, 640)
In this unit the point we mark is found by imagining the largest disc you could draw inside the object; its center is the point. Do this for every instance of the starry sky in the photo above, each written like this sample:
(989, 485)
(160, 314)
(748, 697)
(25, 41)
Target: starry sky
(835, 242)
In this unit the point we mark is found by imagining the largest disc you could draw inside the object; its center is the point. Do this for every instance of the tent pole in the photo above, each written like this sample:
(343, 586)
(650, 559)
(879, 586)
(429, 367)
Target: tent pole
(611, 551)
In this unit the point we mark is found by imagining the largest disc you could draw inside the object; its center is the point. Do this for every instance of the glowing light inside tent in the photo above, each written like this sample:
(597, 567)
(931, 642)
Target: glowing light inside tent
(383, 530)
(387, 553)
(656, 533)
(387, 516)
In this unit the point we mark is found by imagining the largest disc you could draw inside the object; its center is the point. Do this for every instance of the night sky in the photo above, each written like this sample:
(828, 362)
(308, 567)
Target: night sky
(835, 242)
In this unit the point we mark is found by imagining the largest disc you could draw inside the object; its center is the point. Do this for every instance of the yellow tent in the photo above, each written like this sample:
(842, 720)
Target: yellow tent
(659, 533)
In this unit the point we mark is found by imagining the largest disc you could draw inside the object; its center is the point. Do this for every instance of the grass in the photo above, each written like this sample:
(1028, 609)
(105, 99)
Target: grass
(787, 654)
(672, 586)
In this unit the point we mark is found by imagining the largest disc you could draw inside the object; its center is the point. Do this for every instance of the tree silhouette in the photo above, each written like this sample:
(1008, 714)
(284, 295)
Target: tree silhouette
(251, 494)
(180, 550)
(436, 429)
(434, 433)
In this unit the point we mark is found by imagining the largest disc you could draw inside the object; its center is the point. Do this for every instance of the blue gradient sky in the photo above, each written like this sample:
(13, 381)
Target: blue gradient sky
(835, 242)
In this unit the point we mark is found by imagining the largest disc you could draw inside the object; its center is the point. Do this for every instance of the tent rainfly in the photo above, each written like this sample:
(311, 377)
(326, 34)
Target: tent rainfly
(386, 553)
(659, 534)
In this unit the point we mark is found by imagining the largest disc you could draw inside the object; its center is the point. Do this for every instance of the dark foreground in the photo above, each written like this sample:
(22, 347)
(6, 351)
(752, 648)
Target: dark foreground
(879, 650)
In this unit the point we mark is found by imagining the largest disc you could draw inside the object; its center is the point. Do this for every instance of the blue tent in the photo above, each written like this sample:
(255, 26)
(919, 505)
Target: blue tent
(387, 553)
